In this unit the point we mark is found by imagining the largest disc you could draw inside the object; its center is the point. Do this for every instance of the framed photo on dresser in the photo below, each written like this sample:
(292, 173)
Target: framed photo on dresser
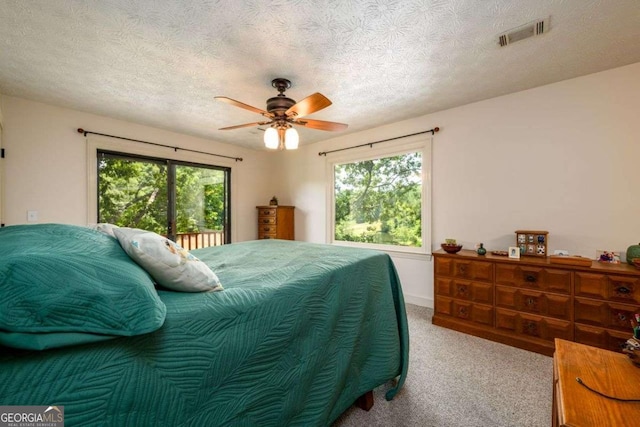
(514, 252)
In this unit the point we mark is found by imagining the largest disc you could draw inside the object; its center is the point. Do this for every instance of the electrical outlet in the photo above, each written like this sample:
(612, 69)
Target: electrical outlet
(32, 216)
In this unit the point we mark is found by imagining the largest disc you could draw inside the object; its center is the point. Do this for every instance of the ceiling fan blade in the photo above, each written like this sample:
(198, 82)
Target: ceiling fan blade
(243, 105)
(321, 124)
(309, 105)
(246, 125)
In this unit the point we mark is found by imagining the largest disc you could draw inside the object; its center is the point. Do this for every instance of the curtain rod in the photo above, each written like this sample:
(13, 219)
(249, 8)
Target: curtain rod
(370, 144)
(85, 132)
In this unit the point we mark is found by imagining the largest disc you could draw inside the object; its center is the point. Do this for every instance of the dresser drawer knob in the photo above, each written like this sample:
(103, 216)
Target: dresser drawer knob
(266, 221)
(530, 328)
(623, 290)
(530, 278)
(462, 269)
(463, 290)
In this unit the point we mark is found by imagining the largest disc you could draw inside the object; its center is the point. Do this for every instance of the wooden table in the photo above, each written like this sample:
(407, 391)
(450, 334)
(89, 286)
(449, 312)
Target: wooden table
(605, 371)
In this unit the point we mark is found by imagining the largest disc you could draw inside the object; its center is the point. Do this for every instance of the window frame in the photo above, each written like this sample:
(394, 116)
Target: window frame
(95, 144)
(418, 143)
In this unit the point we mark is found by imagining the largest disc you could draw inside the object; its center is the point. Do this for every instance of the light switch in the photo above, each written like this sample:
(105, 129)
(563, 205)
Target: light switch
(32, 216)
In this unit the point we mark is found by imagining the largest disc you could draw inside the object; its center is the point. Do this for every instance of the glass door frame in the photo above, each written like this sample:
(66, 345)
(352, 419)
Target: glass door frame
(171, 165)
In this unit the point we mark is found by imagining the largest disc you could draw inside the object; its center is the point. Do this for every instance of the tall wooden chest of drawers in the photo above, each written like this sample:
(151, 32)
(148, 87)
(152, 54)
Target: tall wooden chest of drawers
(528, 302)
(276, 222)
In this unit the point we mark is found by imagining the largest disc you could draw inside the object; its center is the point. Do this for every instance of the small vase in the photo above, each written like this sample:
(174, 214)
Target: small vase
(481, 250)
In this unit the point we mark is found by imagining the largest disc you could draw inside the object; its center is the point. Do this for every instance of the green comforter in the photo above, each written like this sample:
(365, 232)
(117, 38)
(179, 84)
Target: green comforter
(300, 331)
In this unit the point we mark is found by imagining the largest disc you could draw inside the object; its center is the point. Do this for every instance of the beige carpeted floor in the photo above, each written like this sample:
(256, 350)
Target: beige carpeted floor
(457, 380)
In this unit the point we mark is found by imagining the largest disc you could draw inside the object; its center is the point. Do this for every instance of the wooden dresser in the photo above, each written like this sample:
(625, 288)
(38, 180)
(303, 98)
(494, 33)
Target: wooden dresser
(276, 222)
(607, 372)
(528, 302)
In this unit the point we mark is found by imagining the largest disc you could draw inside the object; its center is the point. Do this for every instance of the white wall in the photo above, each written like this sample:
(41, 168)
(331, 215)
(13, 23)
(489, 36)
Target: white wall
(46, 165)
(563, 157)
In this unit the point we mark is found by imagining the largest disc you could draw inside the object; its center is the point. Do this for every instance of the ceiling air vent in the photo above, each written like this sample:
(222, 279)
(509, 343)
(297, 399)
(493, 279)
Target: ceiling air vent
(534, 28)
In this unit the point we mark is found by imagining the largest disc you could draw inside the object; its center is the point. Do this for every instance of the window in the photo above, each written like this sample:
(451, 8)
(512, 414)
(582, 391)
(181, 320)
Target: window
(381, 201)
(187, 202)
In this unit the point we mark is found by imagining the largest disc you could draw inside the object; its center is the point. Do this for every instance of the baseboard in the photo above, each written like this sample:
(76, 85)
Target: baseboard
(416, 300)
(524, 342)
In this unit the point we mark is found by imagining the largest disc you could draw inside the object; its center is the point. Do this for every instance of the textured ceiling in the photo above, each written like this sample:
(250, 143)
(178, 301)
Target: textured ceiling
(161, 63)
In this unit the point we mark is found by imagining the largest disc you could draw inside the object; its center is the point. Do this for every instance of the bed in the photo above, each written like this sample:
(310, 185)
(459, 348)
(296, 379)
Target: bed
(299, 332)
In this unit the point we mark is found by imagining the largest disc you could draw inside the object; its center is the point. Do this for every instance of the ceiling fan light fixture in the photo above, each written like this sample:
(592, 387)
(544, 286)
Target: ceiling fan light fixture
(282, 113)
(291, 139)
(271, 138)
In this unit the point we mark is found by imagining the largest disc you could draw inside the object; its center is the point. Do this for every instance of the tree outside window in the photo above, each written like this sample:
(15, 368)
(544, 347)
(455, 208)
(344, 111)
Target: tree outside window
(379, 201)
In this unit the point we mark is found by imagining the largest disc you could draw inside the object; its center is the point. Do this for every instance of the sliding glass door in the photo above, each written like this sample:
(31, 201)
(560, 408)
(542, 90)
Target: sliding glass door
(189, 203)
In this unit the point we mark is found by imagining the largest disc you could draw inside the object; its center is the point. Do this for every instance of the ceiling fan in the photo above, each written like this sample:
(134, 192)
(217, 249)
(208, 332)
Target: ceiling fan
(283, 112)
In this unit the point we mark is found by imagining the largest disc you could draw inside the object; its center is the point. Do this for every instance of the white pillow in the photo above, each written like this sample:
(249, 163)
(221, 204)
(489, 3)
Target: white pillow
(168, 263)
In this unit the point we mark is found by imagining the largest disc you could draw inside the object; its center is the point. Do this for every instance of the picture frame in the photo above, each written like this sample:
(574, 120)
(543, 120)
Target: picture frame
(514, 252)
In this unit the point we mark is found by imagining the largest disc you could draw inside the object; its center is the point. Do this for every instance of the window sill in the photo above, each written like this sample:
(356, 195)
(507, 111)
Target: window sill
(399, 253)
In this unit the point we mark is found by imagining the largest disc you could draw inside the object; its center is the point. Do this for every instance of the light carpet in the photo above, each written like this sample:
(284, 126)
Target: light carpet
(457, 379)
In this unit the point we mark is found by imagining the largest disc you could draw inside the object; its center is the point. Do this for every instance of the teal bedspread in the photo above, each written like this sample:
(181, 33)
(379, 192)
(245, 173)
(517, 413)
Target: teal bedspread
(300, 331)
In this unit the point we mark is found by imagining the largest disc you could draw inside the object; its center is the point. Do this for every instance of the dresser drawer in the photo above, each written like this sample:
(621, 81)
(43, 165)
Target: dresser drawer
(464, 310)
(614, 288)
(541, 278)
(473, 270)
(464, 269)
(262, 235)
(267, 212)
(266, 220)
(530, 301)
(466, 290)
(267, 229)
(599, 337)
(534, 326)
(609, 315)
(443, 266)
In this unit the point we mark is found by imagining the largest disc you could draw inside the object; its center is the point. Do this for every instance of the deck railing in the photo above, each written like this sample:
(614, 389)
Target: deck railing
(198, 240)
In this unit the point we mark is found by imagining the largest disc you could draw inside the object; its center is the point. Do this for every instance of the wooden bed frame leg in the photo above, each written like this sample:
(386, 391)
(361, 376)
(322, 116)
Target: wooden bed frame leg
(365, 401)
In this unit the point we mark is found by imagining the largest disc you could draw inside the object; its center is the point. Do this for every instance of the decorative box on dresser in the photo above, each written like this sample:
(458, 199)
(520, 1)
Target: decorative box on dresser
(528, 302)
(276, 222)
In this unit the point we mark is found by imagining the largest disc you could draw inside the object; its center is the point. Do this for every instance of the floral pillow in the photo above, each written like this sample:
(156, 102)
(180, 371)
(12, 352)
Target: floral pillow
(168, 263)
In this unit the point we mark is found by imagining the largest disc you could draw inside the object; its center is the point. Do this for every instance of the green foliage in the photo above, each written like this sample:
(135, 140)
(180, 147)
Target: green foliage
(199, 199)
(380, 201)
(134, 193)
